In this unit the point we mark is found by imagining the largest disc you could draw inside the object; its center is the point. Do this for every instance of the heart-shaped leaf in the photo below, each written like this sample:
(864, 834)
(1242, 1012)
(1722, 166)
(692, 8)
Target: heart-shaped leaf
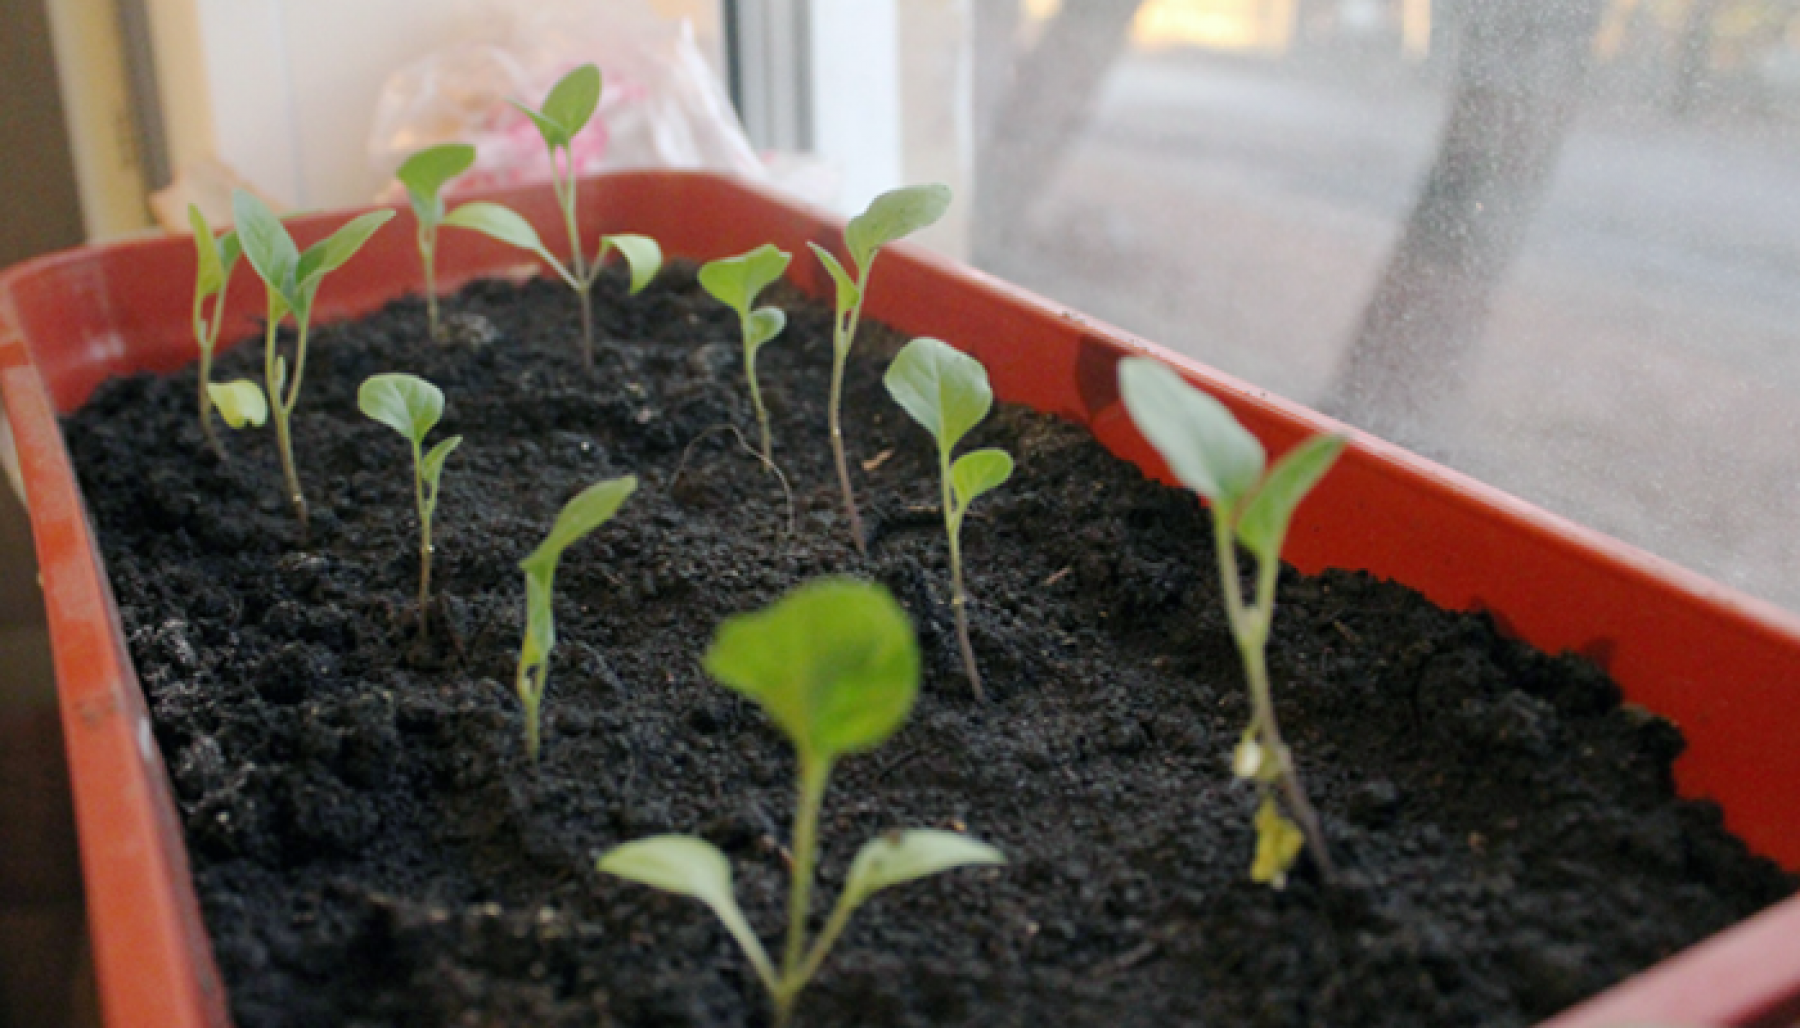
(686, 866)
(1263, 526)
(405, 403)
(942, 388)
(239, 402)
(737, 281)
(892, 215)
(1203, 444)
(977, 472)
(425, 172)
(834, 663)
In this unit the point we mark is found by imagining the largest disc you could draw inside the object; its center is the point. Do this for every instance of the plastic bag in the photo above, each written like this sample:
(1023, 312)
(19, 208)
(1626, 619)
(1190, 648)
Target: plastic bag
(661, 106)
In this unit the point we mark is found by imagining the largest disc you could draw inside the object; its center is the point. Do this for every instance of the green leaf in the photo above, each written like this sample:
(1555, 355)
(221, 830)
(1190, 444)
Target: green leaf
(848, 292)
(892, 215)
(229, 252)
(239, 402)
(977, 472)
(209, 274)
(425, 172)
(737, 281)
(1203, 444)
(942, 388)
(899, 857)
(1278, 844)
(502, 223)
(642, 254)
(268, 246)
(590, 509)
(764, 324)
(572, 100)
(690, 867)
(834, 663)
(329, 254)
(432, 467)
(1264, 524)
(405, 403)
(540, 616)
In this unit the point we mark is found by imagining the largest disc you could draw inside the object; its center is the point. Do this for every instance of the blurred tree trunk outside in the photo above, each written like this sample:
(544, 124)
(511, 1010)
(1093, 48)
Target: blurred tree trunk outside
(1519, 75)
(1024, 127)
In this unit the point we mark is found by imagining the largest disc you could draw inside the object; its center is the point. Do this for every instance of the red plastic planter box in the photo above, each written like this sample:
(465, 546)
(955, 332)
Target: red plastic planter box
(1725, 667)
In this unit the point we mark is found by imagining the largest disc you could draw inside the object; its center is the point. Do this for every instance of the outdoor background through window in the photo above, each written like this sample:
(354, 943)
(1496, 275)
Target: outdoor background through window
(1552, 243)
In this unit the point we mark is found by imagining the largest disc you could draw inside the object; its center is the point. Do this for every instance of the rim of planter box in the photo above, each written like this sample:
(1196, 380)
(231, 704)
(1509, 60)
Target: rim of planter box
(1668, 636)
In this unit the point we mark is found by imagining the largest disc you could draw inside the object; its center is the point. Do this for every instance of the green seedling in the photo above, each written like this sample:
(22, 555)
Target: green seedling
(565, 112)
(735, 282)
(424, 175)
(292, 279)
(947, 392)
(215, 260)
(412, 406)
(591, 508)
(1252, 504)
(834, 664)
(890, 216)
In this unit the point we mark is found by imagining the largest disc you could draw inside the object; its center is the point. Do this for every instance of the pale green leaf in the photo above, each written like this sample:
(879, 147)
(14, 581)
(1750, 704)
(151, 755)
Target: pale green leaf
(834, 663)
(1203, 444)
(209, 274)
(892, 215)
(900, 857)
(848, 293)
(425, 171)
(405, 403)
(229, 252)
(977, 472)
(504, 224)
(1264, 524)
(943, 388)
(268, 246)
(591, 508)
(737, 281)
(329, 254)
(1278, 844)
(540, 617)
(554, 134)
(686, 866)
(642, 254)
(240, 402)
(432, 467)
(572, 100)
(764, 324)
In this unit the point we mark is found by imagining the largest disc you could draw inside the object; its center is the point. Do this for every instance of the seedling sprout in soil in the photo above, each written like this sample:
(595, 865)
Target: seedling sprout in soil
(412, 406)
(424, 175)
(565, 113)
(214, 263)
(890, 216)
(735, 282)
(292, 280)
(591, 508)
(947, 392)
(834, 663)
(1213, 455)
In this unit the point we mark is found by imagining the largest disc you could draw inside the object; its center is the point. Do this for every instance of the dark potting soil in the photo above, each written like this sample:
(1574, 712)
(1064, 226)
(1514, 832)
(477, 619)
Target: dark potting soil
(371, 847)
